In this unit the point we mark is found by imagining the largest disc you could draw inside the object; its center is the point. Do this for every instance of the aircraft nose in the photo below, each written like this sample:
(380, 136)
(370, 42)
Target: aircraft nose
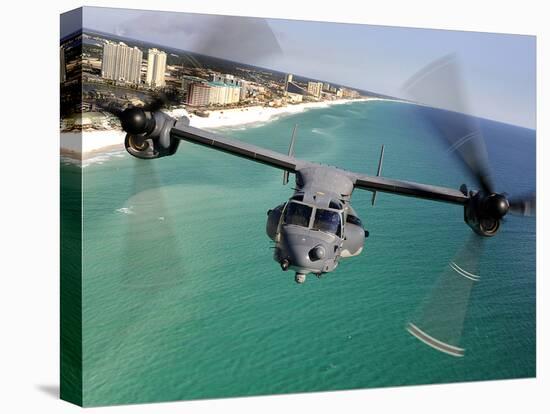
(300, 250)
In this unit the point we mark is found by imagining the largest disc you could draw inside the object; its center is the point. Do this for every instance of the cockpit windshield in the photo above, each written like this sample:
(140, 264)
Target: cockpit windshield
(297, 214)
(327, 221)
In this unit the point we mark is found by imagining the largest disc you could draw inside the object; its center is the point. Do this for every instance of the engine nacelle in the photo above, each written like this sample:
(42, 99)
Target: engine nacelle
(355, 237)
(148, 133)
(483, 213)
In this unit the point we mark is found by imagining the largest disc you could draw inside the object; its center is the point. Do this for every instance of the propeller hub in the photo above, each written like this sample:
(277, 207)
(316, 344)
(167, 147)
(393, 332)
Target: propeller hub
(136, 121)
(496, 206)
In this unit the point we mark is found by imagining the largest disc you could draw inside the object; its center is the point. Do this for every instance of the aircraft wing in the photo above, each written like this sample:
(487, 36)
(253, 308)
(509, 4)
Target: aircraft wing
(291, 164)
(238, 148)
(411, 189)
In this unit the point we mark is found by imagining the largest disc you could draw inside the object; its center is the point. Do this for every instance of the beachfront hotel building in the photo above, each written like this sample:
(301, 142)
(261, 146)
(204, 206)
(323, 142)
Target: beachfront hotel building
(156, 68)
(294, 97)
(187, 80)
(349, 93)
(223, 94)
(198, 94)
(315, 88)
(231, 80)
(121, 62)
(212, 93)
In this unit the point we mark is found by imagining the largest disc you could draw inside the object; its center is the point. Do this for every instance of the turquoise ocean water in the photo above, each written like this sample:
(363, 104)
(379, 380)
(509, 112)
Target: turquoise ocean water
(182, 300)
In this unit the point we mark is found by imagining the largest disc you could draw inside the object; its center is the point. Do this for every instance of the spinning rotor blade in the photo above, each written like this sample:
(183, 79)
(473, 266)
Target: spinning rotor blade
(159, 100)
(441, 318)
(439, 88)
(524, 206)
(162, 100)
(151, 245)
(152, 257)
(218, 34)
(439, 85)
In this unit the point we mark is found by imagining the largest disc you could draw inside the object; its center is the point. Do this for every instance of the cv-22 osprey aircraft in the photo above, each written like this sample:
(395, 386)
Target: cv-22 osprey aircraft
(317, 227)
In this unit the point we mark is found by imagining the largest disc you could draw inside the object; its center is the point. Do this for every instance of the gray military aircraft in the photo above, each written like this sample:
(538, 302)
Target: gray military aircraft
(317, 227)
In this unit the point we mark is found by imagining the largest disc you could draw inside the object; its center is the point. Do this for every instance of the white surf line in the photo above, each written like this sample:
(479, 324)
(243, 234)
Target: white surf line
(434, 343)
(463, 272)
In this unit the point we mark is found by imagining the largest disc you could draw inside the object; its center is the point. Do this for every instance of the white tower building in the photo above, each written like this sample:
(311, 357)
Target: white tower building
(156, 67)
(121, 62)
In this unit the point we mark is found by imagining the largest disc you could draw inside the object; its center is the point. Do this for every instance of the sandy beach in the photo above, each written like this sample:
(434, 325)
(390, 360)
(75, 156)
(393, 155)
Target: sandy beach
(254, 114)
(92, 143)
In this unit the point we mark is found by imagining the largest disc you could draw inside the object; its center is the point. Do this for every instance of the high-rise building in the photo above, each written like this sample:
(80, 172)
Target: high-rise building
(288, 79)
(121, 62)
(244, 88)
(315, 88)
(234, 94)
(223, 94)
(217, 93)
(349, 93)
(62, 65)
(156, 68)
(326, 86)
(240, 83)
(199, 94)
(187, 80)
(203, 93)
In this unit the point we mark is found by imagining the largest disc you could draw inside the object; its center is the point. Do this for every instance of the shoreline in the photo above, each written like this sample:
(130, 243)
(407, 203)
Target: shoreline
(95, 143)
(228, 118)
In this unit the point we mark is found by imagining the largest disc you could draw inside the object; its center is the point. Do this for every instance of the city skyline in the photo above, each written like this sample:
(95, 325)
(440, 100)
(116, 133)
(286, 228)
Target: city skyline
(199, 82)
(499, 70)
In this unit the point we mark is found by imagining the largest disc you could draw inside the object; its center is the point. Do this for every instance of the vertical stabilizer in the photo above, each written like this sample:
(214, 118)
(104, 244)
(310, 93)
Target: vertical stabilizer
(378, 173)
(290, 153)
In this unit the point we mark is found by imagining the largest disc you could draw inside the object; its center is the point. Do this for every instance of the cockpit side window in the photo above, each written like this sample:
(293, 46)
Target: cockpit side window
(354, 220)
(328, 221)
(297, 214)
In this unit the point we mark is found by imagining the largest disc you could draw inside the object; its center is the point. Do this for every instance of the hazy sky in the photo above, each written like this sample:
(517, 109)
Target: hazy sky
(499, 71)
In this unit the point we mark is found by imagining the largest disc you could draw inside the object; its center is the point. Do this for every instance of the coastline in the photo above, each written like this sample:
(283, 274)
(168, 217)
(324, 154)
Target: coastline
(227, 118)
(94, 143)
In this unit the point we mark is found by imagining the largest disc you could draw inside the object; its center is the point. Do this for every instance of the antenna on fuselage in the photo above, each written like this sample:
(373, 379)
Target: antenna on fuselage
(378, 173)
(290, 153)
